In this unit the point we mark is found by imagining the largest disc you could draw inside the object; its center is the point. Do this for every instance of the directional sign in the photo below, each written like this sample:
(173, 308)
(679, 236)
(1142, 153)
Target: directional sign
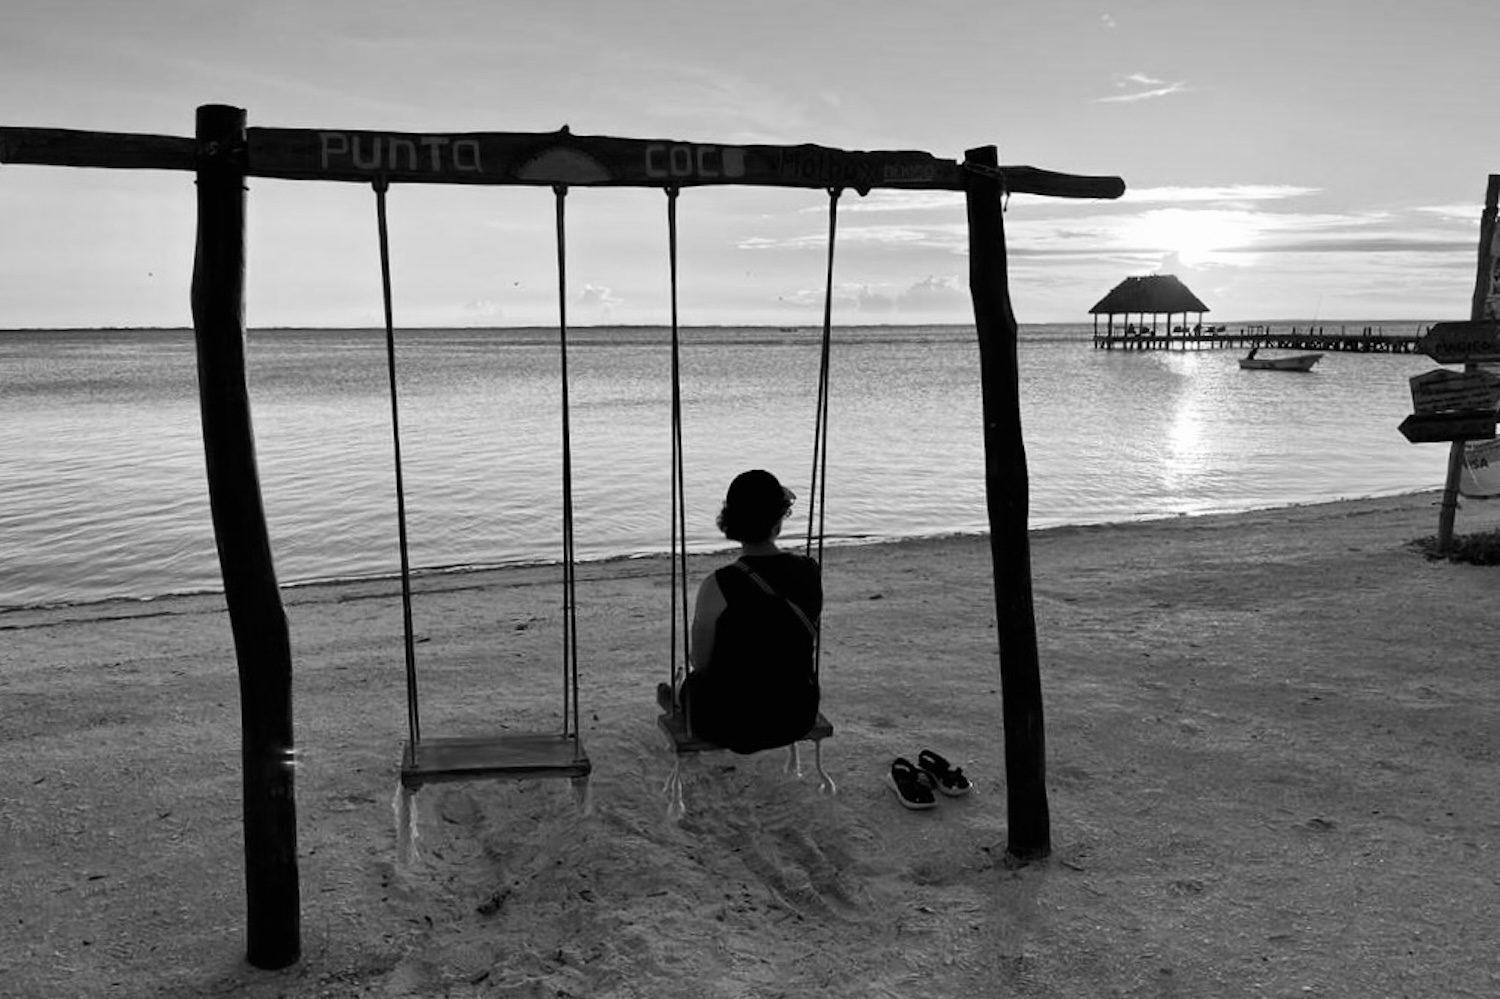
(1443, 391)
(1457, 343)
(1434, 427)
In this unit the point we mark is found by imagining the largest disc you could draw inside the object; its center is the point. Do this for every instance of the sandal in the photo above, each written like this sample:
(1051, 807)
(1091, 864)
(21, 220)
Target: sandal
(949, 779)
(912, 786)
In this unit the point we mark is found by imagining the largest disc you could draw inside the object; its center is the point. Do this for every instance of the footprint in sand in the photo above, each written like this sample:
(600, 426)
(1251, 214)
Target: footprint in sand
(780, 840)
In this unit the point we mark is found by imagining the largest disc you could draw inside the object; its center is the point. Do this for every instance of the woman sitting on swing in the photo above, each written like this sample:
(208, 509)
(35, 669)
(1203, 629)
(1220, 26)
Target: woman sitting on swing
(752, 682)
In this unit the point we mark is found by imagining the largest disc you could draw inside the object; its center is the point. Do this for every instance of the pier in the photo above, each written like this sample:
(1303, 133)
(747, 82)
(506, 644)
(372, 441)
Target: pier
(1365, 340)
(1158, 308)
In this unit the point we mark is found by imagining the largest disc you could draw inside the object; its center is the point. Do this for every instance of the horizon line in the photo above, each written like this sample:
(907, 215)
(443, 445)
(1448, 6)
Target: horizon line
(695, 326)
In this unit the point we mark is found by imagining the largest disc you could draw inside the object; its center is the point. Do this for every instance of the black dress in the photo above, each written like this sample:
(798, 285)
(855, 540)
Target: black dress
(760, 690)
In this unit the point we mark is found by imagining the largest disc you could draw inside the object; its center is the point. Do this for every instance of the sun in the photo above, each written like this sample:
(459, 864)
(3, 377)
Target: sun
(1195, 236)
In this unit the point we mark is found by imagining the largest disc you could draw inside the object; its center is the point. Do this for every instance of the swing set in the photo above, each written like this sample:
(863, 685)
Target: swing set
(224, 153)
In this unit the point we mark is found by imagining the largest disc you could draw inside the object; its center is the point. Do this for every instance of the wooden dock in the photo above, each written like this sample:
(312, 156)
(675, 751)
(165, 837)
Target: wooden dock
(1365, 340)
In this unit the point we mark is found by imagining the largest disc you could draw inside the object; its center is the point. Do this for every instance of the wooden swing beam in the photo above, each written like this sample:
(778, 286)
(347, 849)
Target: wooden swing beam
(531, 158)
(224, 153)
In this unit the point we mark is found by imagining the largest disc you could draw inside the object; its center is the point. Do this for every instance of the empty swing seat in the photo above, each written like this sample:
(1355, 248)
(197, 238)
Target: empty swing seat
(516, 757)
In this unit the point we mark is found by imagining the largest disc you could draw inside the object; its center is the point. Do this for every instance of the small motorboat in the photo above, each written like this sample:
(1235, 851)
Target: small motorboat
(1297, 362)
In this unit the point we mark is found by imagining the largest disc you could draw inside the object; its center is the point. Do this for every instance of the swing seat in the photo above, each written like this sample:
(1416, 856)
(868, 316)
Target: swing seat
(674, 726)
(516, 757)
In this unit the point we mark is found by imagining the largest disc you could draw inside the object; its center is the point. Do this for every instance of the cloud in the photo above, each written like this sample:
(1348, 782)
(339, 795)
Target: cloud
(900, 235)
(1231, 192)
(1367, 244)
(1157, 88)
(949, 201)
(934, 292)
(1234, 236)
(899, 201)
(931, 295)
(483, 308)
(922, 201)
(1458, 212)
(803, 242)
(1107, 20)
(869, 300)
(941, 235)
(744, 109)
(594, 296)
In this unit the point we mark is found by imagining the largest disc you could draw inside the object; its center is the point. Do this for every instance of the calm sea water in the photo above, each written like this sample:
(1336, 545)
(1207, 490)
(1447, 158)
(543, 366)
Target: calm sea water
(103, 494)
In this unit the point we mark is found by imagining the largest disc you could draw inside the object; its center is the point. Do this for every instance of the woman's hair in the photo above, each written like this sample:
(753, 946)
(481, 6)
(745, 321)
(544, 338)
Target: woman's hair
(753, 505)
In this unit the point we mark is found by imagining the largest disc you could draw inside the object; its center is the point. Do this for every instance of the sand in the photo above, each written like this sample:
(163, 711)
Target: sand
(1272, 747)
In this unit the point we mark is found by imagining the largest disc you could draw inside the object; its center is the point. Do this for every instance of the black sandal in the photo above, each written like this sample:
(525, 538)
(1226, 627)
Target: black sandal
(913, 787)
(949, 779)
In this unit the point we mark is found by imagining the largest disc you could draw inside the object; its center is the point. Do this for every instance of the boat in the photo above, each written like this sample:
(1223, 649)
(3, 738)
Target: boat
(1297, 362)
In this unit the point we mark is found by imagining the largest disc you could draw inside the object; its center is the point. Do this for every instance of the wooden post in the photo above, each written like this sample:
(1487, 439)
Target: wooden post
(256, 616)
(1449, 510)
(1006, 491)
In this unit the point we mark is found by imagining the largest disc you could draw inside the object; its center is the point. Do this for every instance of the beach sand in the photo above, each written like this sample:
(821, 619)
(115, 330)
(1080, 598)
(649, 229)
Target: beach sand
(1272, 748)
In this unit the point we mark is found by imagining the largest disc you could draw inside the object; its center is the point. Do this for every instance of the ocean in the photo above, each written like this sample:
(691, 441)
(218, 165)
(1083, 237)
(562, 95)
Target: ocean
(103, 492)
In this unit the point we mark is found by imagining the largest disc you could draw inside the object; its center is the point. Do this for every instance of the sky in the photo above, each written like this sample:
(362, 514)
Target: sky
(1287, 159)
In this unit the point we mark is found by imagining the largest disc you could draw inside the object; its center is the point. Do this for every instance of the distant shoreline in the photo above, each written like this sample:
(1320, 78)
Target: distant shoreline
(1366, 321)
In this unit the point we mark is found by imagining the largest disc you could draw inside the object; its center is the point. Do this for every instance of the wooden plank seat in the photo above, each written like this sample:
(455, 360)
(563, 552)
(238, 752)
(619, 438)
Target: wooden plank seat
(674, 726)
(502, 757)
(514, 757)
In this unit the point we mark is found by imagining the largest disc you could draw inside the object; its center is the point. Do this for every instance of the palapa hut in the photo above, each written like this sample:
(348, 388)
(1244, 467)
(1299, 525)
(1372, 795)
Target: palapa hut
(1153, 295)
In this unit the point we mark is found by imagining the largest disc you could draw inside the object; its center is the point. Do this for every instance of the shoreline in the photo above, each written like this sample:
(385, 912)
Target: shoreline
(646, 556)
(1270, 771)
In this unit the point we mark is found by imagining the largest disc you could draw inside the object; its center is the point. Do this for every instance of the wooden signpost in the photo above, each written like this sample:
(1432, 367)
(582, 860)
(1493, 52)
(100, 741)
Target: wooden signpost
(1462, 343)
(1444, 391)
(1455, 405)
(1461, 406)
(1436, 428)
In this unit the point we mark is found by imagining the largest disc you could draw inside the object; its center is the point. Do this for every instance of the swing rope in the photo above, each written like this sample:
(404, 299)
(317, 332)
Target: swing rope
(679, 586)
(818, 493)
(570, 574)
(413, 716)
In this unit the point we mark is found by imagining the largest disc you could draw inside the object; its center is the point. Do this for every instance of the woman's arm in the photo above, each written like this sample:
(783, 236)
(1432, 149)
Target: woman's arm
(710, 605)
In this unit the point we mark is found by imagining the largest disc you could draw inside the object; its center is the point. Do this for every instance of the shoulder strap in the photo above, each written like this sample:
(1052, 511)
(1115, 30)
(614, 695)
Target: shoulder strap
(812, 629)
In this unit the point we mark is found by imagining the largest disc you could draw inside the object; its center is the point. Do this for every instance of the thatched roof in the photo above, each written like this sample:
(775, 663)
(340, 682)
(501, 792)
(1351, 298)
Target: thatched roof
(1155, 294)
